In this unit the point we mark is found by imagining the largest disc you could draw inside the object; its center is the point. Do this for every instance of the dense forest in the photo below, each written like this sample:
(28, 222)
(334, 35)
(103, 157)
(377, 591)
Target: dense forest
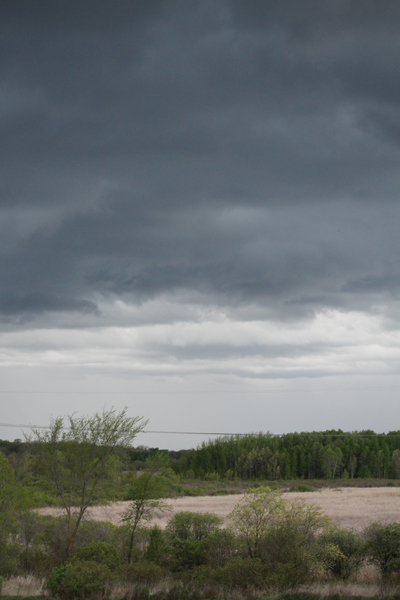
(315, 455)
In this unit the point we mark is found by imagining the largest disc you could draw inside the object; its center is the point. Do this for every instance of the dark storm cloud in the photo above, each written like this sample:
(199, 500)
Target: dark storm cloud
(241, 152)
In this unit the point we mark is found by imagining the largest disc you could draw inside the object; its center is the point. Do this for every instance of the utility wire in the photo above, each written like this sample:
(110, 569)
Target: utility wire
(224, 433)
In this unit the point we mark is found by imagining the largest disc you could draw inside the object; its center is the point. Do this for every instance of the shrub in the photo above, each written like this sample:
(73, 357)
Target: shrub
(242, 573)
(350, 557)
(221, 546)
(135, 553)
(95, 531)
(188, 553)
(103, 553)
(383, 546)
(212, 476)
(187, 533)
(190, 525)
(145, 572)
(157, 547)
(78, 581)
(8, 558)
(54, 534)
(289, 556)
(303, 487)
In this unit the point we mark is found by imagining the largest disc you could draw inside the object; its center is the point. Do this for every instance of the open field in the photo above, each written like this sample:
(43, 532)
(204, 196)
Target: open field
(350, 507)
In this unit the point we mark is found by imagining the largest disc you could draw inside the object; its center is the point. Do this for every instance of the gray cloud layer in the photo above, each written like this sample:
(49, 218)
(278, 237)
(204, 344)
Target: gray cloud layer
(232, 153)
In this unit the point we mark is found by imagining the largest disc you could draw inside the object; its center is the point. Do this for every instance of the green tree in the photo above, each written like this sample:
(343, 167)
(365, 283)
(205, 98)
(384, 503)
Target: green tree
(331, 460)
(254, 513)
(395, 464)
(80, 460)
(380, 463)
(352, 465)
(146, 497)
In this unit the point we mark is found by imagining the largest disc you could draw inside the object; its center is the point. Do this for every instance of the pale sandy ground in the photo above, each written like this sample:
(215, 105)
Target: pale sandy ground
(352, 507)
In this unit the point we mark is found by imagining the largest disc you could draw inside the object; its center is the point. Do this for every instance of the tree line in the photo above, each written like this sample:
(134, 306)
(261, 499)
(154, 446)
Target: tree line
(317, 455)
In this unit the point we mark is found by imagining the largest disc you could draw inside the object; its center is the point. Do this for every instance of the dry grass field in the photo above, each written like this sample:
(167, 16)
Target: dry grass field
(350, 507)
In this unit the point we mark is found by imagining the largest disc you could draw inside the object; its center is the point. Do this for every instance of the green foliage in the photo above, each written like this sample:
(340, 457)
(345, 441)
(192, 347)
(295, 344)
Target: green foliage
(332, 459)
(96, 531)
(290, 558)
(51, 549)
(157, 546)
(342, 551)
(78, 581)
(81, 460)
(8, 493)
(395, 464)
(288, 547)
(103, 553)
(29, 528)
(14, 502)
(146, 497)
(187, 553)
(190, 525)
(308, 518)
(9, 558)
(281, 534)
(188, 534)
(313, 455)
(241, 573)
(254, 514)
(383, 546)
(303, 487)
(221, 547)
(145, 572)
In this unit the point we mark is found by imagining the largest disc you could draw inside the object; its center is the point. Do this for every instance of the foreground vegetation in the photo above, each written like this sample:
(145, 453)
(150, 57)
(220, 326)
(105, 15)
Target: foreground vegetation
(272, 544)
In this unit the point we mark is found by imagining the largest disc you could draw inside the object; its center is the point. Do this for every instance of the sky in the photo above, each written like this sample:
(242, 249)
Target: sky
(199, 214)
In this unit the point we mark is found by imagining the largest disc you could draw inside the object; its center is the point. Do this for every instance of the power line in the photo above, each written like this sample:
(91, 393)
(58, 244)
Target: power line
(19, 425)
(24, 426)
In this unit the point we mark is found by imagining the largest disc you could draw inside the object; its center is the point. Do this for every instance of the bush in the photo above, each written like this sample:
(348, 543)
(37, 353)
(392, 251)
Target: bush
(187, 533)
(54, 536)
(10, 559)
(78, 581)
(190, 525)
(187, 554)
(383, 546)
(95, 531)
(303, 487)
(103, 553)
(145, 572)
(242, 573)
(221, 546)
(350, 557)
(289, 556)
(157, 548)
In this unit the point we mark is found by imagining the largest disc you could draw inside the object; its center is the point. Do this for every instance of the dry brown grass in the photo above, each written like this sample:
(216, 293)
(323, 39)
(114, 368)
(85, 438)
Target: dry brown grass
(350, 507)
(23, 586)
